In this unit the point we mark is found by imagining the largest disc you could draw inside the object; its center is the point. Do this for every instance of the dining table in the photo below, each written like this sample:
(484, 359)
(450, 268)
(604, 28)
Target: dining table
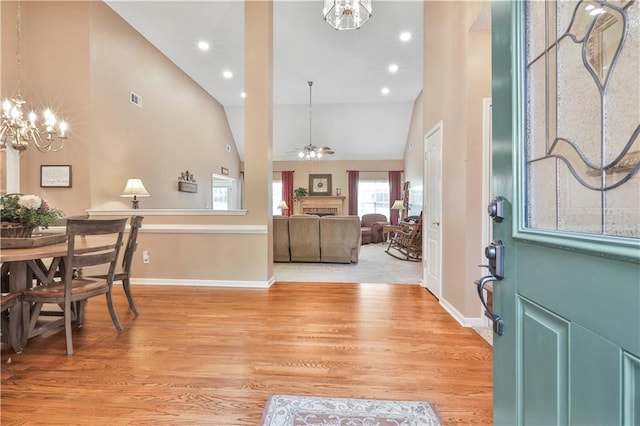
(23, 264)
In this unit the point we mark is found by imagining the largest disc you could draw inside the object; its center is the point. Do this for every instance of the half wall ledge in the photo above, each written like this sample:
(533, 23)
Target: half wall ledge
(167, 212)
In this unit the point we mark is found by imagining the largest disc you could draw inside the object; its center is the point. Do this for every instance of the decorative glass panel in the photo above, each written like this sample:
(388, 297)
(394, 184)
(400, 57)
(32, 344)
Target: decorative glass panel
(583, 117)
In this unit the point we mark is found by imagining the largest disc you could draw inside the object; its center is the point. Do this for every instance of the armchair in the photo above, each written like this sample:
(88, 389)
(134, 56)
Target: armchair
(371, 227)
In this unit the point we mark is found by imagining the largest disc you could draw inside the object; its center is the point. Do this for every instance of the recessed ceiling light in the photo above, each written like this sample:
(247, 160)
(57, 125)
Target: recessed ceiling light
(227, 74)
(203, 45)
(393, 68)
(405, 36)
(384, 90)
(243, 95)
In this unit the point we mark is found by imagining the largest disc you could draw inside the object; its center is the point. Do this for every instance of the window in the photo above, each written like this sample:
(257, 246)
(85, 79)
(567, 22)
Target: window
(276, 191)
(373, 197)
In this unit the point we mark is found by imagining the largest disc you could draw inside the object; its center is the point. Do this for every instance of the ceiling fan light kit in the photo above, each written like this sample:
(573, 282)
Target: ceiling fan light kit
(311, 151)
(346, 14)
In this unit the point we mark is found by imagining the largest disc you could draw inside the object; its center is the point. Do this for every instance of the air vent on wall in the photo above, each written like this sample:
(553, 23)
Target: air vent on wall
(135, 99)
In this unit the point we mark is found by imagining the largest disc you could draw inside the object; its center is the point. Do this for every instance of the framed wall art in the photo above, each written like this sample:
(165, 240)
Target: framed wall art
(55, 176)
(319, 184)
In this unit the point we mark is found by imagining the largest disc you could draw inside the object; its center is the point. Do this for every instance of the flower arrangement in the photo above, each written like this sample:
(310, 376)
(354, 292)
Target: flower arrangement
(28, 210)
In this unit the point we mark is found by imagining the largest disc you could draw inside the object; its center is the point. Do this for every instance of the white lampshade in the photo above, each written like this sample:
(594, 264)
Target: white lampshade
(283, 205)
(134, 188)
(397, 205)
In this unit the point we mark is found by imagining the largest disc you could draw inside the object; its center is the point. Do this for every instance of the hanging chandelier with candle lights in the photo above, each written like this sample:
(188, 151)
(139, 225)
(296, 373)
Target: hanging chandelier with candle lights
(18, 131)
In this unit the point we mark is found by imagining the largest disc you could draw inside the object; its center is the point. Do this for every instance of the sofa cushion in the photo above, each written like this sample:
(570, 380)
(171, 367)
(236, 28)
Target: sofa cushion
(340, 239)
(281, 239)
(304, 238)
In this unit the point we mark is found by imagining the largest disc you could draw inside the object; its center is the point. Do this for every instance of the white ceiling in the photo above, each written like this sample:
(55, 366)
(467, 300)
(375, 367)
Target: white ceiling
(348, 69)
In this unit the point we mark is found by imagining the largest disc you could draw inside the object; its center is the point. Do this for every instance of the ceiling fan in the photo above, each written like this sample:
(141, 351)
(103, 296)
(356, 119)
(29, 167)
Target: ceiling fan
(311, 151)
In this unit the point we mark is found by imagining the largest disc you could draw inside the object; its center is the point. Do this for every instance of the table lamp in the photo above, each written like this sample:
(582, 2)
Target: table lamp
(398, 205)
(134, 188)
(282, 205)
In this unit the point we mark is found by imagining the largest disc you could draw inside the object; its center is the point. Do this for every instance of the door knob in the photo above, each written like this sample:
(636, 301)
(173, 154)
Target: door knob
(436, 223)
(498, 324)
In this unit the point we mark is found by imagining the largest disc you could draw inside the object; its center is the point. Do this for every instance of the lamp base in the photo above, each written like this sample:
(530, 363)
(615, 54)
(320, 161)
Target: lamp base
(135, 203)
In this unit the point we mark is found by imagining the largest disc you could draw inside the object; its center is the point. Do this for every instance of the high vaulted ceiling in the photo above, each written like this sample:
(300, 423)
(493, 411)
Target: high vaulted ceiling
(348, 68)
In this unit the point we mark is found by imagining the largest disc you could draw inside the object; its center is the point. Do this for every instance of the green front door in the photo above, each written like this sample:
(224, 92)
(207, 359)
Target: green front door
(566, 157)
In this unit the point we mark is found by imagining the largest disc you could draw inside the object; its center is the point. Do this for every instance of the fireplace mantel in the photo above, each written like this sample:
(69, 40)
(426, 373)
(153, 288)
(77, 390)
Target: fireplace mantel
(320, 204)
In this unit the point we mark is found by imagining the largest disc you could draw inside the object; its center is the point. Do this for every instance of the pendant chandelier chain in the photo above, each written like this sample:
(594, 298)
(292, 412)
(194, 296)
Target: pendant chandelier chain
(18, 56)
(310, 111)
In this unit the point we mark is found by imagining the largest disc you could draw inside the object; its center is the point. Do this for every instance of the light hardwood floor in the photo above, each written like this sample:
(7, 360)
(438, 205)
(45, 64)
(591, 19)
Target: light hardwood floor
(212, 356)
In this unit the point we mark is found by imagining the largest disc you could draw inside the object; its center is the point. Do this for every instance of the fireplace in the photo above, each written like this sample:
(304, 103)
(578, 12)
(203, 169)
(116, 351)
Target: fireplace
(320, 205)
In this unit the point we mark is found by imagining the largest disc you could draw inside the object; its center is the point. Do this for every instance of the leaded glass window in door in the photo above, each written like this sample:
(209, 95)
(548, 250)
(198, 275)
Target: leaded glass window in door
(582, 150)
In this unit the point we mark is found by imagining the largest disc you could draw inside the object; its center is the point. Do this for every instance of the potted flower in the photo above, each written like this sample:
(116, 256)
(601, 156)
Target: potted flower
(20, 214)
(299, 193)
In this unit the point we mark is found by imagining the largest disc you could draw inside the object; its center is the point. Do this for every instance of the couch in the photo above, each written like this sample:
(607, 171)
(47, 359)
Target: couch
(309, 238)
(371, 227)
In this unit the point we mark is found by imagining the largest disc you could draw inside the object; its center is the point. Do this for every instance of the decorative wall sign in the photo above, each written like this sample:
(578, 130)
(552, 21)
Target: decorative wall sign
(319, 184)
(224, 171)
(55, 176)
(187, 183)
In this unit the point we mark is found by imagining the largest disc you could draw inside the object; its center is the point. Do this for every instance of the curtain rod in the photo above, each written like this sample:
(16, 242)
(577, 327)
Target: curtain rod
(375, 171)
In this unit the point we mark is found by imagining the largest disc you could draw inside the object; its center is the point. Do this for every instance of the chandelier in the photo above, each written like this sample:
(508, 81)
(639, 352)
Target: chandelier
(346, 14)
(311, 151)
(18, 131)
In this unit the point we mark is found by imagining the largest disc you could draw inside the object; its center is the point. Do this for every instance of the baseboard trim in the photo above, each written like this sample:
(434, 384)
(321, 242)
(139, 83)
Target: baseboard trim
(462, 320)
(203, 283)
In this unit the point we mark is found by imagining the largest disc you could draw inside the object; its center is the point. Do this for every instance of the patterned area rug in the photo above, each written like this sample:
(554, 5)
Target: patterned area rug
(287, 410)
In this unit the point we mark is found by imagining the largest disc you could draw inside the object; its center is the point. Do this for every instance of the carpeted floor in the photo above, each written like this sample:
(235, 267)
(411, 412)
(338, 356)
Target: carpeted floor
(374, 266)
(286, 410)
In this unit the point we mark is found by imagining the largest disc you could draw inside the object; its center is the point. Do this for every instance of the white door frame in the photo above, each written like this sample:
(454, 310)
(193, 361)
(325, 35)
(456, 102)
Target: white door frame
(487, 191)
(427, 219)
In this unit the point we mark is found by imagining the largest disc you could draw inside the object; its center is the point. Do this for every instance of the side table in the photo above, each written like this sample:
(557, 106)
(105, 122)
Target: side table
(387, 229)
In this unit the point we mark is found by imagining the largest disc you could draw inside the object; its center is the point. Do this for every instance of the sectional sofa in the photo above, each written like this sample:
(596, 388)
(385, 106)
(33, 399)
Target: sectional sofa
(309, 238)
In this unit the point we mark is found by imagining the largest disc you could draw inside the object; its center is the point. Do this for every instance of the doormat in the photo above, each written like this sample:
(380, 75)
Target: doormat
(288, 410)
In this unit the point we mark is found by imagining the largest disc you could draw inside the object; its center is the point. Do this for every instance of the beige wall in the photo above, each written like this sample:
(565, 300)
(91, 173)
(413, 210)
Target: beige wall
(456, 78)
(414, 148)
(55, 73)
(82, 59)
(371, 169)
(179, 127)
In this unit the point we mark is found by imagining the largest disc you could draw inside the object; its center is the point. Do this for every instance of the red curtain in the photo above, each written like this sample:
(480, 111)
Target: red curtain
(395, 193)
(354, 177)
(287, 192)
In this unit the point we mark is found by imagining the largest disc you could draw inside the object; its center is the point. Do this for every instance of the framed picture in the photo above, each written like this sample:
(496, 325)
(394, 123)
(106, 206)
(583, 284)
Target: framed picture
(319, 184)
(55, 176)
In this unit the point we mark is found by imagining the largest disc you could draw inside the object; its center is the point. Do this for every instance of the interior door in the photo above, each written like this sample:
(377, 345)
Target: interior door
(431, 242)
(566, 156)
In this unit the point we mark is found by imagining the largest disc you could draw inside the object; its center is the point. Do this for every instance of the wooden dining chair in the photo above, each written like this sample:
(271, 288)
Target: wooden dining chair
(7, 302)
(77, 290)
(124, 274)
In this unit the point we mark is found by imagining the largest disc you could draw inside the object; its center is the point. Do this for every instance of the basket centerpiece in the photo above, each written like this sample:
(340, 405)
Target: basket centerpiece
(21, 214)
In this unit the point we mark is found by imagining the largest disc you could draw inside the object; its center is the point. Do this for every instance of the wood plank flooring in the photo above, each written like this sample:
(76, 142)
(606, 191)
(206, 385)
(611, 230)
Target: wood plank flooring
(212, 356)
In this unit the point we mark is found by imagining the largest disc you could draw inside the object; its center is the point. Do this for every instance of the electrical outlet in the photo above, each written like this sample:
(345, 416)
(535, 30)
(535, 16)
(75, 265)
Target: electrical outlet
(145, 257)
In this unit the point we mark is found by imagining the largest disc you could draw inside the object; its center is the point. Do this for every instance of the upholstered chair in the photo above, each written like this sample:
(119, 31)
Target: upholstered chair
(371, 227)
